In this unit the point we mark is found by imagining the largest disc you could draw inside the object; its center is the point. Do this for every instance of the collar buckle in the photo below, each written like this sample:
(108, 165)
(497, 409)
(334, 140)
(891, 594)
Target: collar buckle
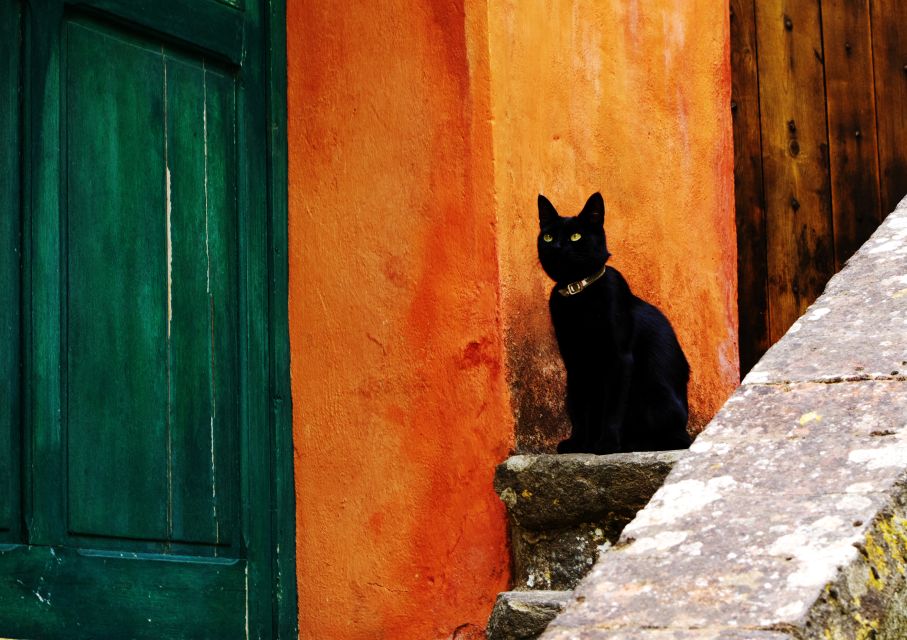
(575, 287)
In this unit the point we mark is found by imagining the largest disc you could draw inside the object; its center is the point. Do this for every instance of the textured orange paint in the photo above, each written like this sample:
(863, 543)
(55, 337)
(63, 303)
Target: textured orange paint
(419, 136)
(630, 98)
(400, 401)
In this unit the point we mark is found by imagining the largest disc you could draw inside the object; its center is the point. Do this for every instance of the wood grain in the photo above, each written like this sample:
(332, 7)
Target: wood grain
(850, 98)
(889, 53)
(117, 312)
(799, 231)
(752, 270)
(10, 255)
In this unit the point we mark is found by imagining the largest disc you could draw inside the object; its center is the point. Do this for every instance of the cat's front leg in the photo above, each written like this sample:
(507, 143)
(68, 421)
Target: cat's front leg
(615, 410)
(577, 411)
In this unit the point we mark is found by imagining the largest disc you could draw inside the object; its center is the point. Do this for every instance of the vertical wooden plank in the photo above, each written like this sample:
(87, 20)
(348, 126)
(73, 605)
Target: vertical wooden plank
(752, 270)
(799, 231)
(889, 53)
(224, 299)
(191, 407)
(10, 254)
(853, 154)
(203, 350)
(41, 278)
(118, 298)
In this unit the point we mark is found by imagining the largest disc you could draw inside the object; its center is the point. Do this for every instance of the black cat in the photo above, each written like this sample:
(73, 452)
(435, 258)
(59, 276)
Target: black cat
(626, 373)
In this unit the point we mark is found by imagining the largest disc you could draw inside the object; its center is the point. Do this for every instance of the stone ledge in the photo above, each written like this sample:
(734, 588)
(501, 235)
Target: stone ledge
(669, 634)
(554, 491)
(788, 517)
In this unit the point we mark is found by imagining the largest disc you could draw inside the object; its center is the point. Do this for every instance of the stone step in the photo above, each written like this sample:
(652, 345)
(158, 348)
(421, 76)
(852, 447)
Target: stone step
(523, 615)
(566, 509)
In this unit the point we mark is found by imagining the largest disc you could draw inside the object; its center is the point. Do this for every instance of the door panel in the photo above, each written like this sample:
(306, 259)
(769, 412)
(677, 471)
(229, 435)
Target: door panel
(203, 341)
(115, 414)
(149, 277)
(147, 476)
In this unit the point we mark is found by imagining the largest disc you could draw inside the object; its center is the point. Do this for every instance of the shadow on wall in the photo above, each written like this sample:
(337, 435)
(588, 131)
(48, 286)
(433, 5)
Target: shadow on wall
(537, 385)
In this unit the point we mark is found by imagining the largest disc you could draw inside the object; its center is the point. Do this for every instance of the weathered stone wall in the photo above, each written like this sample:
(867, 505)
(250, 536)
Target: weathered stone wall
(788, 518)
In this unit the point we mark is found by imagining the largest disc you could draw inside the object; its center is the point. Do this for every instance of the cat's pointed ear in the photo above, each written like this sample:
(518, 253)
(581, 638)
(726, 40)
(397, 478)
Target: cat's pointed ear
(594, 211)
(547, 212)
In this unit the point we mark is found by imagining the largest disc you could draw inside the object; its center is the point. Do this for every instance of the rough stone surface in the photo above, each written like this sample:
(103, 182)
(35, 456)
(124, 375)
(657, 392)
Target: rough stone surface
(555, 491)
(564, 509)
(788, 517)
(523, 615)
(555, 558)
(668, 634)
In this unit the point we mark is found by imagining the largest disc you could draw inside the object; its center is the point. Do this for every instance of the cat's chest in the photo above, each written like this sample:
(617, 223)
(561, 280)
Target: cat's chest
(581, 324)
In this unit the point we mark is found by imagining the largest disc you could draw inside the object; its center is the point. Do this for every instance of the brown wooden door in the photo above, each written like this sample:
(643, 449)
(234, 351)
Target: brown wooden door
(819, 100)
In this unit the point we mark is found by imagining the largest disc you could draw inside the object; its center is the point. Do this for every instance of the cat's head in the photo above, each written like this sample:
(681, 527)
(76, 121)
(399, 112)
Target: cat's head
(572, 248)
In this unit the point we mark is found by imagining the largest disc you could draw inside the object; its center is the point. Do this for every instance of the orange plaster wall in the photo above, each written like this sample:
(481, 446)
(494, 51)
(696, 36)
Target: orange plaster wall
(419, 135)
(400, 402)
(630, 98)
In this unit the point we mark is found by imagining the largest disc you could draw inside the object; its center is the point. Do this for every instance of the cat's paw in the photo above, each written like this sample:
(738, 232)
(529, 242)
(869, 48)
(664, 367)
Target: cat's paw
(605, 447)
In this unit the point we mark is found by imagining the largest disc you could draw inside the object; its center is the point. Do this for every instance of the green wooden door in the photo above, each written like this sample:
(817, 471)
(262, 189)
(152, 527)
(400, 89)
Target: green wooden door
(136, 472)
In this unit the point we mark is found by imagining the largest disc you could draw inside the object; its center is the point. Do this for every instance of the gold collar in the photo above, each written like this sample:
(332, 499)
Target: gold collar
(575, 287)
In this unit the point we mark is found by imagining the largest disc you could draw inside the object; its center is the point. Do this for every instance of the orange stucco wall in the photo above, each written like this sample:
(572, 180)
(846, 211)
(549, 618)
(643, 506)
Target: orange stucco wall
(420, 133)
(400, 403)
(630, 98)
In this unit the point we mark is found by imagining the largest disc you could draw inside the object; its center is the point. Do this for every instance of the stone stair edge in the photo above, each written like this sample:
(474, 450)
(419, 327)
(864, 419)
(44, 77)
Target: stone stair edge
(544, 491)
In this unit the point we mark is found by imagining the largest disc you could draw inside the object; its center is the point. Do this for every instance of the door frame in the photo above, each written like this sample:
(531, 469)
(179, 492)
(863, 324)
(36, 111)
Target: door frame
(283, 489)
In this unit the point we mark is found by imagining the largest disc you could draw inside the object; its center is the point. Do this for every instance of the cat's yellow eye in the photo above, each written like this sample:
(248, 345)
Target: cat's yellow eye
(575, 237)
(547, 237)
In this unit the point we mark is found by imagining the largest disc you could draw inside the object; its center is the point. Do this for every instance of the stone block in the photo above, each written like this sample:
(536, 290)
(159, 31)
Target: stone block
(555, 558)
(523, 615)
(555, 491)
(564, 509)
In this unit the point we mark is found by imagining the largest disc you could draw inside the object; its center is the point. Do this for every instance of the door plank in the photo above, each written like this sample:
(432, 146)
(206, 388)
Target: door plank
(853, 153)
(752, 270)
(202, 211)
(191, 408)
(117, 334)
(10, 254)
(889, 53)
(795, 158)
(223, 243)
